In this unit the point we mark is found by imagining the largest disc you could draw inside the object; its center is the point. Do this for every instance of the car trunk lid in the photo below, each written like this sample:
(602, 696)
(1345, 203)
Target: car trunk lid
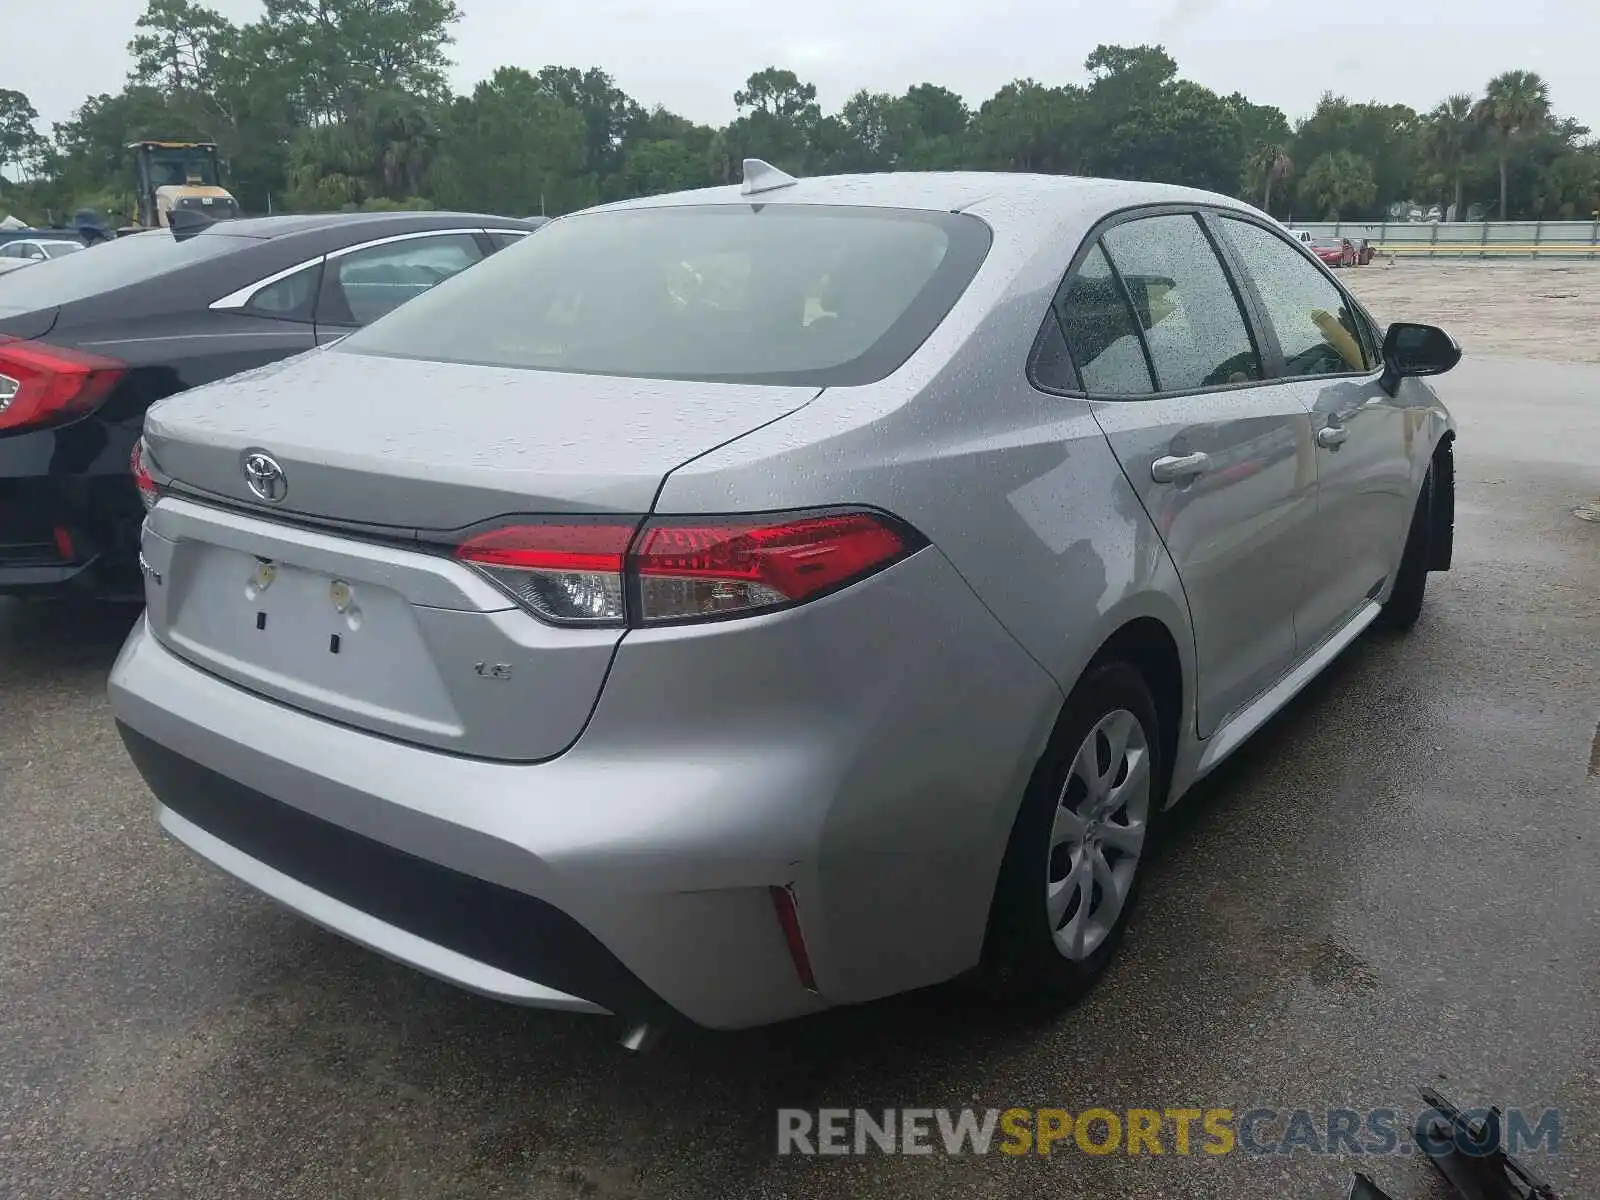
(336, 597)
(27, 323)
(387, 441)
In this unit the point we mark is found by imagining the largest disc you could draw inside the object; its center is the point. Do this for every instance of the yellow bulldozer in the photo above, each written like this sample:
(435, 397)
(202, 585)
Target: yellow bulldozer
(176, 176)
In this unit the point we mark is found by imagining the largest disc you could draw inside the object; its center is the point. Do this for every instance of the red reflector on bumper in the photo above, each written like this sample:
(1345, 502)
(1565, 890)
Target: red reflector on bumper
(789, 919)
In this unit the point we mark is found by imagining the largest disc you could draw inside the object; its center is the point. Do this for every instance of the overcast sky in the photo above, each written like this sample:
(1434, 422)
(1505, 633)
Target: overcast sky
(691, 54)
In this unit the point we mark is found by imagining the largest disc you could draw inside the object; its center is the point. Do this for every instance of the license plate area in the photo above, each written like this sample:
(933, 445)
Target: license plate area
(347, 649)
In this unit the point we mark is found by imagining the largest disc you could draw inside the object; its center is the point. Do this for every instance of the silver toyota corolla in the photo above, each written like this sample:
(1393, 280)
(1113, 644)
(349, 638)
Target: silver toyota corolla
(731, 604)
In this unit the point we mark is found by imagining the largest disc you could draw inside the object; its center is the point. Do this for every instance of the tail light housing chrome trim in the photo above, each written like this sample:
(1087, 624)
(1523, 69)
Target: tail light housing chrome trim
(645, 572)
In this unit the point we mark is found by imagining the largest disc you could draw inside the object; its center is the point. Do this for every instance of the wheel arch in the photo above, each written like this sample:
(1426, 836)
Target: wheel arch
(1146, 644)
(1443, 512)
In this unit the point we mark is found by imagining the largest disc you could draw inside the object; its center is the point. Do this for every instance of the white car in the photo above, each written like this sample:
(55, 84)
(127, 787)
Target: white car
(22, 252)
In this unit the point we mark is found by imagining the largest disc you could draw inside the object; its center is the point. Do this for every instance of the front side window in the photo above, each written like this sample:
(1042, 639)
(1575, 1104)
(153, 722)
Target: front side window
(379, 279)
(1316, 329)
(1193, 327)
(1100, 331)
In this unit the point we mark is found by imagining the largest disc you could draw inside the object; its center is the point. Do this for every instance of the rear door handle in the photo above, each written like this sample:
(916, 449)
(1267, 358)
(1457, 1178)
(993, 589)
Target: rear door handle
(1171, 468)
(1331, 437)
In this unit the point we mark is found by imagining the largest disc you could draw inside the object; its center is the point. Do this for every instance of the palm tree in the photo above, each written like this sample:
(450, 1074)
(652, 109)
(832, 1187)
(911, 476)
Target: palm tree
(1514, 105)
(1338, 182)
(1270, 164)
(1449, 136)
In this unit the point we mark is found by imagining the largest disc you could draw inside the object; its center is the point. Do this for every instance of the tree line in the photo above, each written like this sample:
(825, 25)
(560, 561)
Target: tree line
(344, 104)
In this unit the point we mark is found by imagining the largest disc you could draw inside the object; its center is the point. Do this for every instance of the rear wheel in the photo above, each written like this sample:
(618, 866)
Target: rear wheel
(1404, 606)
(1072, 869)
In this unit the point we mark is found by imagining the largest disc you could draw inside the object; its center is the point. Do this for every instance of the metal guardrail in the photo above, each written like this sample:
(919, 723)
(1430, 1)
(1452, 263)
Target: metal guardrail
(1469, 239)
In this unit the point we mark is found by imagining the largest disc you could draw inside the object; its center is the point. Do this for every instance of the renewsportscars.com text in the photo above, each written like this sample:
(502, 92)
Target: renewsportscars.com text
(1101, 1131)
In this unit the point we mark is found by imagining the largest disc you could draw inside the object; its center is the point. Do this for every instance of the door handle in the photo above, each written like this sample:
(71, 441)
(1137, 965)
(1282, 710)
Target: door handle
(1171, 468)
(1331, 437)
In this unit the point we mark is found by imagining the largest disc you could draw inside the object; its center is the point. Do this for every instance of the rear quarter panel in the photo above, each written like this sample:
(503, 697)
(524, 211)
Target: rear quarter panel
(1016, 487)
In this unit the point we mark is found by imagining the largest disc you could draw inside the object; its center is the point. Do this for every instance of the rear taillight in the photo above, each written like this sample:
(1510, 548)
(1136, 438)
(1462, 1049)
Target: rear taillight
(680, 569)
(688, 572)
(570, 574)
(142, 479)
(45, 385)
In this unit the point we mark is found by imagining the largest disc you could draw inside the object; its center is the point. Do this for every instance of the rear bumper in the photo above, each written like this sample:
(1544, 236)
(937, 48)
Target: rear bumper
(97, 579)
(873, 769)
(477, 934)
(69, 513)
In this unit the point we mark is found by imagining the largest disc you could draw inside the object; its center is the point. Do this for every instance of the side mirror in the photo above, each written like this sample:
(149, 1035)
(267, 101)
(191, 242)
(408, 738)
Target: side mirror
(1411, 350)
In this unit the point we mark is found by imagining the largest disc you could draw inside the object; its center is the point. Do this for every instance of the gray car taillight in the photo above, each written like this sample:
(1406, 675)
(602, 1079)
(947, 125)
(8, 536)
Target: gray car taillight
(683, 569)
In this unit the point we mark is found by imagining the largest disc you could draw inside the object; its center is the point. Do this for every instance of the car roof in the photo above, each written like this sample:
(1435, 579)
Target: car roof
(992, 192)
(281, 226)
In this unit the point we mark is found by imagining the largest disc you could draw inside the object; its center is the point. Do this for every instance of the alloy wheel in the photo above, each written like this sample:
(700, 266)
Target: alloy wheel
(1101, 818)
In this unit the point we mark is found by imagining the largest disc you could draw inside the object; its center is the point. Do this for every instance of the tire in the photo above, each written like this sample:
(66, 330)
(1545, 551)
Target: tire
(1404, 606)
(1034, 950)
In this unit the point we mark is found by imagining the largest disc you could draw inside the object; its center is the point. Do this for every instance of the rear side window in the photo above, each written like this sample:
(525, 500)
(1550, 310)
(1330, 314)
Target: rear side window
(128, 260)
(1193, 327)
(1101, 335)
(1317, 332)
(291, 297)
(365, 284)
(781, 293)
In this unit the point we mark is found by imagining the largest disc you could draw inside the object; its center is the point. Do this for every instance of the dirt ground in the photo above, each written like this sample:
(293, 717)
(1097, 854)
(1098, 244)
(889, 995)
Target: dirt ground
(1521, 309)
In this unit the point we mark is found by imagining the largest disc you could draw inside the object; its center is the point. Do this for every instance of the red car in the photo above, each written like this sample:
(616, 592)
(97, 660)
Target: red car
(1336, 252)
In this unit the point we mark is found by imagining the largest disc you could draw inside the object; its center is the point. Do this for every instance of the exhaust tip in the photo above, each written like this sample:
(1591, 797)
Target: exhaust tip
(641, 1038)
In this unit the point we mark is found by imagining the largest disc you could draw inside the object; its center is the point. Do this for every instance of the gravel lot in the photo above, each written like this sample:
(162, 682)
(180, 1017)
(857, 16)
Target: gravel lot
(1397, 882)
(1546, 309)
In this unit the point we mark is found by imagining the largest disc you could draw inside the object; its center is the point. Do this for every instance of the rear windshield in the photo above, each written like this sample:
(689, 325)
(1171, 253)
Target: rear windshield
(799, 294)
(102, 268)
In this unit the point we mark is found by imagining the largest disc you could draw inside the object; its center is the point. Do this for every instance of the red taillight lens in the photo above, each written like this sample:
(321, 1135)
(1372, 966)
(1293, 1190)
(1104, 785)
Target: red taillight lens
(142, 479)
(693, 571)
(570, 574)
(45, 385)
(580, 573)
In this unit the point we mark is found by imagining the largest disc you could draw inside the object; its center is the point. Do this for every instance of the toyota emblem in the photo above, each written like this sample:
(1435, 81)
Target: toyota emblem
(265, 476)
